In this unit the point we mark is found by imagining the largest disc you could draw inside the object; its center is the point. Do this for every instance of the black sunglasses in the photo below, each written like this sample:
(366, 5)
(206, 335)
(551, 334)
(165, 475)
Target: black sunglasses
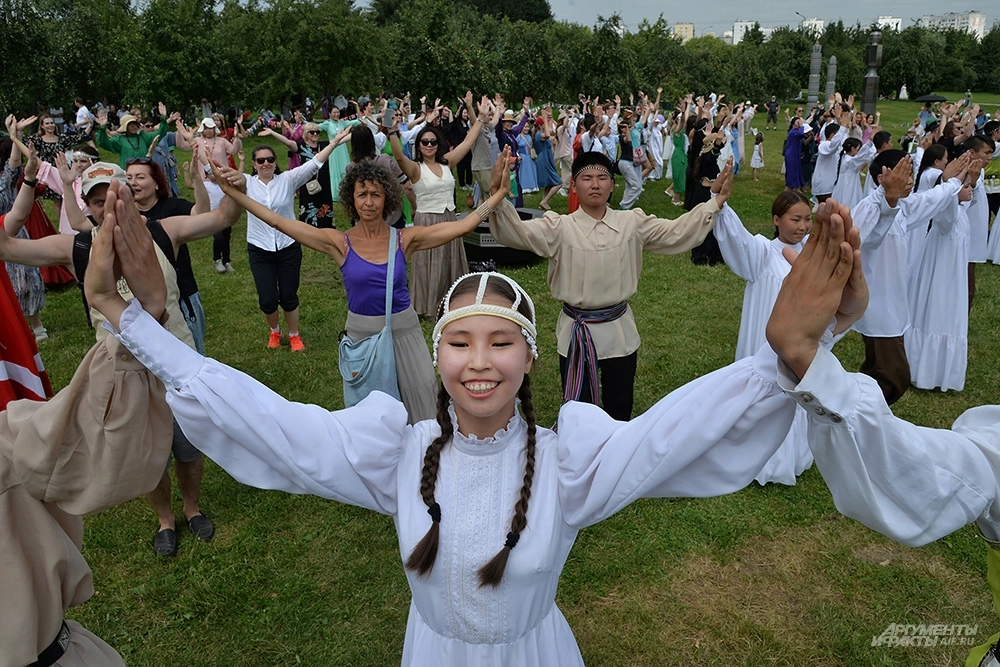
(312, 132)
(267, 160)
(148, 125)
(137, 160)
(428, 142)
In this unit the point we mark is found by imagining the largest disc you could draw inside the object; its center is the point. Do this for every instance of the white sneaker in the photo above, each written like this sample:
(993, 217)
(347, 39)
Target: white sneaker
(229, 268)
(40, 334)
(219, 268)
(563, 193)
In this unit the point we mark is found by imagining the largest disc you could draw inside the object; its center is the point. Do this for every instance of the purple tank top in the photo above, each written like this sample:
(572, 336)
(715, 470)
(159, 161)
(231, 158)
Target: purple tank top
(365, 282)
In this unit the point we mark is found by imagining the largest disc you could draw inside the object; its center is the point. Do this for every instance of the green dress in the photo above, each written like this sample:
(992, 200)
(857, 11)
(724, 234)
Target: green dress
(129, 146)
(679, 164)
(341, 157)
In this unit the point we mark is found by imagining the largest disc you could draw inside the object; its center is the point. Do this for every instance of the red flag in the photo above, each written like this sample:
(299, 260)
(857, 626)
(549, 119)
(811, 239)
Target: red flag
(22, 374)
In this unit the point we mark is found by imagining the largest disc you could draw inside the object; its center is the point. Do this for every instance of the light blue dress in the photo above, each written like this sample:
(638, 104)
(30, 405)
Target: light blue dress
(527, 173)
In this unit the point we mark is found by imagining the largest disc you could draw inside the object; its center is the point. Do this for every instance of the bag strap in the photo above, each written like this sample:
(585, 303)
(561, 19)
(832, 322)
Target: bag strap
(390, 270)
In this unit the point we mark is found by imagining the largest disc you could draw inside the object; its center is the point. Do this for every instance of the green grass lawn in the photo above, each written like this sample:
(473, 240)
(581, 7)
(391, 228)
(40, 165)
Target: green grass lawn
(766, 576)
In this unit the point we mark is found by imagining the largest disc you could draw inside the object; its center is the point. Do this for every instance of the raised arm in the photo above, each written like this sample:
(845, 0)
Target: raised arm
(76, 217)
(183, 135)
(202, 203)
(327, 241)
(53, 250)
(409, 167)
(920, 207)
(745, 253)
(669, 237)
(186, 228)
(289, 144)
(455, 155)
(101, 137)
(18, 214)
(912, 484)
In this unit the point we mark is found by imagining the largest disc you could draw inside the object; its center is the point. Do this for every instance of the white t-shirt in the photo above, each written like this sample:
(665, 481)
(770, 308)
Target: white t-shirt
(83, 116)
(57, 116)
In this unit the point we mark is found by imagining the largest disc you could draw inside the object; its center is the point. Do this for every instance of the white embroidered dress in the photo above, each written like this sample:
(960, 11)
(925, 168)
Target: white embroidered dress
(847, 187)
(937, 342)
(707, 438)
(758, 260)
(916, 235)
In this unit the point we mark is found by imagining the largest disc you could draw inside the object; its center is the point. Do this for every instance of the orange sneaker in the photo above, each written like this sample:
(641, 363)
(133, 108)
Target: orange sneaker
(274, 340)
(295, 341)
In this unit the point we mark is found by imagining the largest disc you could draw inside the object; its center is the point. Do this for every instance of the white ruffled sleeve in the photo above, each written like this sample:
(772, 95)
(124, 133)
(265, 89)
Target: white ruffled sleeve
(910, 483)
(707, 438)
(873, 217)
(920, 207)
(266, 441)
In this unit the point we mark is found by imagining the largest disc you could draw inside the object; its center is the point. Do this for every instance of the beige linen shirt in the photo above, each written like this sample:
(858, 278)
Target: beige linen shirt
(102, 440)
(596, 263)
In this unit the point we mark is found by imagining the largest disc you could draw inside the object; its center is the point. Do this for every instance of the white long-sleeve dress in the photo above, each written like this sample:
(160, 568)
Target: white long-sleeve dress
(707, 438)
(759, 261)
(993, 246)
(979, 221)
(916, 236)
(884, 232)
(654, 132)
(847, 187)
(937, 343)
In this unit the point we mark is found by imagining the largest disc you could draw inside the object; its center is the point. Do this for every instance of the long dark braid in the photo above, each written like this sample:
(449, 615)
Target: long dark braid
(422, 557)
(849, 144)
(491, 573)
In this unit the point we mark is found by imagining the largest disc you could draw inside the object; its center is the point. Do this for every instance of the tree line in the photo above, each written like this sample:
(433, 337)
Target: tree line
(262, 52)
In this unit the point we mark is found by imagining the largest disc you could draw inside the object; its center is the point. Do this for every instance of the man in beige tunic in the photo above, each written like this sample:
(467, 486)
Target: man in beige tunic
(595, 258)
(102, 440)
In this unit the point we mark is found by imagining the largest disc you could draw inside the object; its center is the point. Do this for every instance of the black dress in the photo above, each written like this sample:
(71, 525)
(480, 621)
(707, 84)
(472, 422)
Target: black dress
(316, 207)
(706, 166)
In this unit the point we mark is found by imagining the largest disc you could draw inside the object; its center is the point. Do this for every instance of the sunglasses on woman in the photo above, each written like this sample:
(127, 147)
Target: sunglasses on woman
(428, 142)
(265, 160)
(313, 132)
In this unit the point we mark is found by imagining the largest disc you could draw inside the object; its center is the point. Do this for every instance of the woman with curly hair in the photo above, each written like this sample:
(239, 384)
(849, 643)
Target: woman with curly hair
(369, 194)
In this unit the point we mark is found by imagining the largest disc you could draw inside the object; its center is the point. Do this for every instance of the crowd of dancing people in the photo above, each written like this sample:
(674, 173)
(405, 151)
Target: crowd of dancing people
(872, 233)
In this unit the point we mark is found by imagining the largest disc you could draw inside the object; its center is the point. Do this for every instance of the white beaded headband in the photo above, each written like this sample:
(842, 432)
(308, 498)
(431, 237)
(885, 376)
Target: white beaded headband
(479, 308)
(595, 167)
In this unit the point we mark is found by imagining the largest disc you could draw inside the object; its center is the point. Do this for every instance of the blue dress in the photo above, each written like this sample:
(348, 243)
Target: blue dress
(545, 165)
(734, 135)
(526, 174)
(793, 158)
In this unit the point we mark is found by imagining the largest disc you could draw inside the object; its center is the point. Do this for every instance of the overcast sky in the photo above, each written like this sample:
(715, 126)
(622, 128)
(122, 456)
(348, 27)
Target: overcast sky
(719, 15)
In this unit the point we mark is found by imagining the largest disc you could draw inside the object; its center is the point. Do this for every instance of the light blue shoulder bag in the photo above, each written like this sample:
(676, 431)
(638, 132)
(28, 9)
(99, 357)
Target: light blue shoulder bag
(370, 364)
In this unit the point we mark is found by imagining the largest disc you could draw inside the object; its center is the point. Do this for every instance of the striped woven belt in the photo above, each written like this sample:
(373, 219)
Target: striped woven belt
(582, 355)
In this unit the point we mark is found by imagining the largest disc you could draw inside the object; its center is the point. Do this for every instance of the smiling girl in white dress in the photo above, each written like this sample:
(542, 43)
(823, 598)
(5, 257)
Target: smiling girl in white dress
(486, 504)
(760, 262)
